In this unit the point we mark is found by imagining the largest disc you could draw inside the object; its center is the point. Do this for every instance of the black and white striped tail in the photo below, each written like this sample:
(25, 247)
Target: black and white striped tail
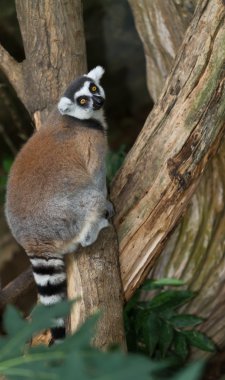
(50, 277)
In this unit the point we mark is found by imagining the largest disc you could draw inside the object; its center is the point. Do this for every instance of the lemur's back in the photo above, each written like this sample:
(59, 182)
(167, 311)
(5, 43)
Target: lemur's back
(53, 156)
(56, 193)
(50, 174)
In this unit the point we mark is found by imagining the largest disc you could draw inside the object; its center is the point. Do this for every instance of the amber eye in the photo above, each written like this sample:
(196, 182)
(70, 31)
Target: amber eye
(83, 101)
(93, 88)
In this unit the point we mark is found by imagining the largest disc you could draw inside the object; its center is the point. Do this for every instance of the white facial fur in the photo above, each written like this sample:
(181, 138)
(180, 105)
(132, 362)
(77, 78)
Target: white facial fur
(68, 107)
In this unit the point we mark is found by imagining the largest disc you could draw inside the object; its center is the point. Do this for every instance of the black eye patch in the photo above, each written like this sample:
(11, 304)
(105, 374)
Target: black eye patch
(83, 101)
(93, 88)
(76, 86)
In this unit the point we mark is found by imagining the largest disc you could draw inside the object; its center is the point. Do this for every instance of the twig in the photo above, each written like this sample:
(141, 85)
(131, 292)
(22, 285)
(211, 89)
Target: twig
(16, 288)
(13, 70)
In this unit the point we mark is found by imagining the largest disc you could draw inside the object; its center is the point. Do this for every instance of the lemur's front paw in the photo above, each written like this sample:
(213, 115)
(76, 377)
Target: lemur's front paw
(110, 212)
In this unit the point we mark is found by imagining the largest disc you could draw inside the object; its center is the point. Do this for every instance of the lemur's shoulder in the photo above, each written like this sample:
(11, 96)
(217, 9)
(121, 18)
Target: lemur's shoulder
(70, 124)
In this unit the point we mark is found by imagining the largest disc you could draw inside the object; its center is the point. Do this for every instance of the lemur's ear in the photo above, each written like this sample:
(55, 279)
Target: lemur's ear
(96, 73)
(65, 105)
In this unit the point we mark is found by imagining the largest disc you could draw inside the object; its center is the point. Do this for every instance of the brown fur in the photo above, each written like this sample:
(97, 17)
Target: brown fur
(63, 157)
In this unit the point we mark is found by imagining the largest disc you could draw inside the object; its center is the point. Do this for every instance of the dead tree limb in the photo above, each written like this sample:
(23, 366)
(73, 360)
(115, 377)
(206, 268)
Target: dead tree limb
(183, 131)
(16, 288)
(194, 252)
(13, 70)
(161, 26)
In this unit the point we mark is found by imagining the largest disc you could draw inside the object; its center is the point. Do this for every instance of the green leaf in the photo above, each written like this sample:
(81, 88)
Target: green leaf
(181, 346)
(82, 338)
(155, 284)
(110, 366)
(74, 358)
(20, 331)
(200, 340)
(6, 164)
(151, 331)
(141, 317)
(16, 328)
(44, 314)
(170, 299)
(185, 320)
(3, 181)
(114, 160)
(192, 372)
(166, 334)
(13, 321)
(132, 302)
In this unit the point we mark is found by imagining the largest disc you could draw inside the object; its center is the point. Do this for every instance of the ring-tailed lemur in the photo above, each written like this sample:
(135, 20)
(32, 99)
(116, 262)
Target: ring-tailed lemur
(56, 192)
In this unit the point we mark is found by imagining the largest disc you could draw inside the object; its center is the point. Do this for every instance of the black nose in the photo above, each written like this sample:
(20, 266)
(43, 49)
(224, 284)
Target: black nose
(98, 102)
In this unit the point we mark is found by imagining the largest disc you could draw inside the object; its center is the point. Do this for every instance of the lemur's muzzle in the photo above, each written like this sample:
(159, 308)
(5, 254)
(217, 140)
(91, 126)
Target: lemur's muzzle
(98, 102)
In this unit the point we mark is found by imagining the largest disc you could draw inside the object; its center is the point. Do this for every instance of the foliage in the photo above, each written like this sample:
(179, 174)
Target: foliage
(156, 328)
(113, 161)
(74, 358)
(6, 165)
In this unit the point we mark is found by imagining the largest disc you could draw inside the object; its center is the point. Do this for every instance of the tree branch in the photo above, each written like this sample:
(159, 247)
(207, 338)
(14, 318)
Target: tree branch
(184, 130)
(161, 26)
(55, 51)
(94, 276)
(13, 70)
(17, 288)
(194, 252)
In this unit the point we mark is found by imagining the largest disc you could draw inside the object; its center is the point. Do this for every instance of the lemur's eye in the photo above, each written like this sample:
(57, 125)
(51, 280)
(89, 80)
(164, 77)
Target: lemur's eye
(82, 101)
(93, 88)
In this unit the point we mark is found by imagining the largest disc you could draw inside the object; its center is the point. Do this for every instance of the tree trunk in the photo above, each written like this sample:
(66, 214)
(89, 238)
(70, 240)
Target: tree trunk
(195, 250)
(161, 26)
(54, 46)
(183, 131)
(94, 275)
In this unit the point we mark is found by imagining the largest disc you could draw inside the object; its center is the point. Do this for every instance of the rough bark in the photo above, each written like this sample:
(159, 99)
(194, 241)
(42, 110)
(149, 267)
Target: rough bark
(13, 70)
(94, 276)
(54, 46)
(53, 37)
(195, 250)
(17, 288)
(183, 131)
(161, 26)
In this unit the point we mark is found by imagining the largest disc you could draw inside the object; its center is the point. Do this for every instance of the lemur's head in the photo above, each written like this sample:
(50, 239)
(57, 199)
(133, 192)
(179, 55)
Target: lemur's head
(84, 97)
